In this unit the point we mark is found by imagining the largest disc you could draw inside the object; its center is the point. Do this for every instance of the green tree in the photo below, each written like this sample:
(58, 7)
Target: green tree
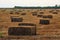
(56, 5)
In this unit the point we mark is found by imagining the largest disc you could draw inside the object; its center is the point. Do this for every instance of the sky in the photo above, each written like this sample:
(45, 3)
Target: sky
(12, 3)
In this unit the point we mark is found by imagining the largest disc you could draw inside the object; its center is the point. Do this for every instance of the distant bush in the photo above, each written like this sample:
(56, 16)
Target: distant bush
(1, 35)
